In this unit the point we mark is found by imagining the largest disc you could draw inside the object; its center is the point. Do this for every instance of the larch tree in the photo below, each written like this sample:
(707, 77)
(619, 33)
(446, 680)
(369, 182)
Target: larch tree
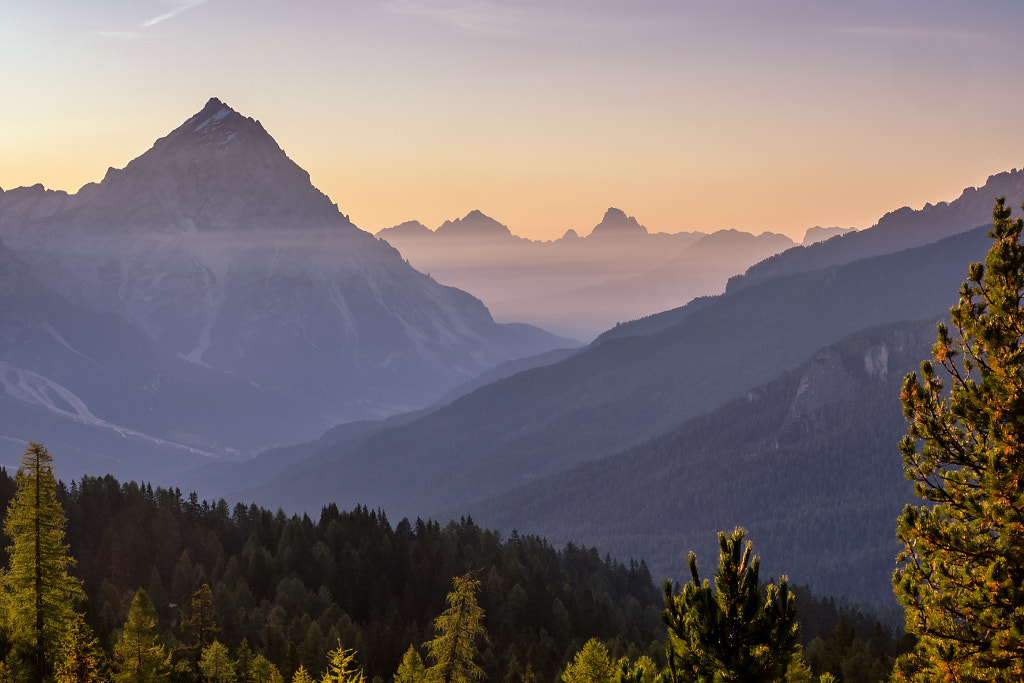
(139, 656)
(79, 661)
(197, 628)
(216, 665)
(411, 670)
(729, 633)
(263, 671)
(961, 573)
(453, 649)
(590, 665)
(41, 593)
(341, 667)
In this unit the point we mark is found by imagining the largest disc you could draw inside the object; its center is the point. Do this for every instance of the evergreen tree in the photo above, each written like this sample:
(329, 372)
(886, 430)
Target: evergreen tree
(261, 670)
(197, 626)
(341, 667)
(411, 670)
(727, 634)
(643, 670)
(453, 649)
(216, 665)
(139, 657)
(41, 592)
(243, 662)
(302, 676)
(79, 662)
(961, 573)
(590, 665)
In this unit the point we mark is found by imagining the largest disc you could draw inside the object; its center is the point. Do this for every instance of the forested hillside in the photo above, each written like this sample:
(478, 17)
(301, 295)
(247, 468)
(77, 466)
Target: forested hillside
(808, 463)
(291, 589)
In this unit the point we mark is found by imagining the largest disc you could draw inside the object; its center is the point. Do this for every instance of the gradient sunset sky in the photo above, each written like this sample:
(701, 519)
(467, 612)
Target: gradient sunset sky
(744, 114)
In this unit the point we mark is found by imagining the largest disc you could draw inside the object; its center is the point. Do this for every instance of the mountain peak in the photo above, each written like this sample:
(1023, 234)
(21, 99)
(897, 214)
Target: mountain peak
(617, 224)
(475, 224)
(219, 170)
(218, 124)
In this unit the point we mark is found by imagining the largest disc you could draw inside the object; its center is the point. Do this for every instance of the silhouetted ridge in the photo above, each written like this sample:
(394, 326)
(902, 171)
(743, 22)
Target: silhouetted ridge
(617, 224)
(900, 229)
(475, 224)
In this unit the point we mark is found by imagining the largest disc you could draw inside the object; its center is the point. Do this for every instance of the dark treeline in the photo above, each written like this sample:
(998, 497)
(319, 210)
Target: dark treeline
(292, 587)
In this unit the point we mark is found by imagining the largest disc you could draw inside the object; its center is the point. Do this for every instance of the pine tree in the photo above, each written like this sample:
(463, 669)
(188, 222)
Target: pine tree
(729, 634)
(139, 657)
(302, 676)
(453, 649)
(961, 573)
(41, 592)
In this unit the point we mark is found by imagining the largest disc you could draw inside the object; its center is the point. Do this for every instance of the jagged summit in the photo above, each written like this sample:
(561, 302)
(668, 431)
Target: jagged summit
(217, 171)
(217, 123)
(475, 224)
(617, 224)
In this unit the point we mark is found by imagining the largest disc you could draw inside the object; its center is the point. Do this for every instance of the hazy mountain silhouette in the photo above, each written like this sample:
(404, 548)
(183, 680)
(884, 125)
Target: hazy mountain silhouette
(896, 230)
(216, 245)
(579, 286)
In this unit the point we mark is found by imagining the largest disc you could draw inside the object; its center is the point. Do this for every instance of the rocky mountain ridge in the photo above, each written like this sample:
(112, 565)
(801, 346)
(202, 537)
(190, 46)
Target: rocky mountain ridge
(217, 247)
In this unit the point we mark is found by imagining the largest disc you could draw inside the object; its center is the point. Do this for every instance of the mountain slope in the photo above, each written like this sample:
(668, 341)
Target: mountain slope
(807, 463)
(617, 393)
(218, 247)
(95, 389)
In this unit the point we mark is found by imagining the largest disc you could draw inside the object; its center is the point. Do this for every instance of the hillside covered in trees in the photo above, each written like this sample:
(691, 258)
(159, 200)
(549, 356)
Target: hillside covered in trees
(294, 590)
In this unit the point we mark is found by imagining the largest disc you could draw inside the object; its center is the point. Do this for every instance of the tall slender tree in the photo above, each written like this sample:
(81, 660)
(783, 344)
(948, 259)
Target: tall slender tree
(41, 592)
(453, 648)
(961, 573)
(139, 656)
(730, 633)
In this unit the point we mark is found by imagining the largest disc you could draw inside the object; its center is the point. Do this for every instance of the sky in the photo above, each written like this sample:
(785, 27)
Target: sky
(702, 115)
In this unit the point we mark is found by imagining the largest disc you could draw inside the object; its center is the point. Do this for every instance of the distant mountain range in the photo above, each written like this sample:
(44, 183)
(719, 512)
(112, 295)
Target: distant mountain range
(213, 250)
(580, 286)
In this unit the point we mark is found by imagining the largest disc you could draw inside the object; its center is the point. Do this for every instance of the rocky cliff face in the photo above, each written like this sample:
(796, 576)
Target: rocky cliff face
(220, 249)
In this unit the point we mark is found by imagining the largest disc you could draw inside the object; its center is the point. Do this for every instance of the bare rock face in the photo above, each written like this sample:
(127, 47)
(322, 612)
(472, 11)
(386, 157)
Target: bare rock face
(220, 249)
